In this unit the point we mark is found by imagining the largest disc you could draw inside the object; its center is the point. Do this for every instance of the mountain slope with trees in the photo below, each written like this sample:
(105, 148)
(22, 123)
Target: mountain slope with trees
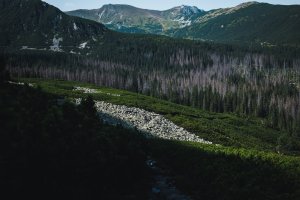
(257, 81)
(253, 23)
(226, 129)
(248, 23)
(64, 151)
(35, 24)
(129, 19)
(246, 99)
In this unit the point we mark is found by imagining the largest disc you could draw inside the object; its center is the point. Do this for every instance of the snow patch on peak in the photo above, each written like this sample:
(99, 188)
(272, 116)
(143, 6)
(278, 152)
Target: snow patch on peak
(94, 39)
(83, 45)
(101, 14)
(183, 23)
(75, 26)
(108, 23)
(55, 46)
(73, 52)
(119, 26)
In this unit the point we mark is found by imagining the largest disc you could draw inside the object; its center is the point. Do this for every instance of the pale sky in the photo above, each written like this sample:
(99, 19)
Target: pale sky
(67, 5)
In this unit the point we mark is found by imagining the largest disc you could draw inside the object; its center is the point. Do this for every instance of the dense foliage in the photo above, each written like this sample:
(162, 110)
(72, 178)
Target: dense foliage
(243, 97)
(49, 148)
(36, 24)
(256, 23)
(250, 80)
(210, 172)
(221, 84)
(220, 128)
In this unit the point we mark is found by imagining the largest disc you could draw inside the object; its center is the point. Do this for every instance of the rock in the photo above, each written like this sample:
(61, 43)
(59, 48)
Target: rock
(93, 91)
(149, 123)
(20, 83)
(85, 90)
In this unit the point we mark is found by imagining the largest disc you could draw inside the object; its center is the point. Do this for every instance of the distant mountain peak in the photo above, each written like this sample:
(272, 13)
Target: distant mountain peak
(116, 5)
(246, 4)
(190, 10)
(191, 22)
(249, 3)
(187, 10)
(184, 13)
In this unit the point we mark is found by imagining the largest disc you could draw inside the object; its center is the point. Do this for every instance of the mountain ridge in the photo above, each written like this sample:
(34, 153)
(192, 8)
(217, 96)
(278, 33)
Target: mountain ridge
(130, 19)
(247, 23)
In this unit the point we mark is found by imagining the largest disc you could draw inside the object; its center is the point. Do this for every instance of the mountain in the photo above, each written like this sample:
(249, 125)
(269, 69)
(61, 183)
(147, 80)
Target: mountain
(34, 24)
(246, 101)
(250, 22)
(125, 18)
(203, 74)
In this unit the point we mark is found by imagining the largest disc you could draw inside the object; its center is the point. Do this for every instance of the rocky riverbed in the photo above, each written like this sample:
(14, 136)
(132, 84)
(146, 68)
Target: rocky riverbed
(149, 123)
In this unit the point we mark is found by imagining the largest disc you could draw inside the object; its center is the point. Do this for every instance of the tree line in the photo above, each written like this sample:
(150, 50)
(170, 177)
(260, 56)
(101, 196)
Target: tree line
(219, 78)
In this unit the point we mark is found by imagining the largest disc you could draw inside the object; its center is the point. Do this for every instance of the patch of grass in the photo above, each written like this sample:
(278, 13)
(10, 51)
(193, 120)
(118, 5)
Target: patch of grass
(225, 129)
(243, 167)
(218, 172)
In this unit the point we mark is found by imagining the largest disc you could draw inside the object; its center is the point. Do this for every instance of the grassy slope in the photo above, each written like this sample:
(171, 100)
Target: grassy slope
(257, 23)
(209, 171)
(221, 173)
(225, 129)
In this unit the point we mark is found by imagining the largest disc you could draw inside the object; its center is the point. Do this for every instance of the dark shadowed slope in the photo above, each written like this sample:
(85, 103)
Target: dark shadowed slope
(35, 24)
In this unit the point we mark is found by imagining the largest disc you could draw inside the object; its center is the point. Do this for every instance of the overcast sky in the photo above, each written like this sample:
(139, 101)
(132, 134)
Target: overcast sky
(67, 5)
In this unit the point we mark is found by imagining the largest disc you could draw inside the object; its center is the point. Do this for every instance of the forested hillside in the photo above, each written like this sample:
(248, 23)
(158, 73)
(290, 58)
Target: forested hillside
(34, 24)
(249, 81)
(254, 84)
(129, 19)
(229, 114)
(250, 23)
(50, 146)
(227, 129)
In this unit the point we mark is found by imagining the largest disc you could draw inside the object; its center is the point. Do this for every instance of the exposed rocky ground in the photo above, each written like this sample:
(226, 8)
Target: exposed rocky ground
(19, 83)
(152, 124)
(93, 91)
(149, 123)
(86, 90)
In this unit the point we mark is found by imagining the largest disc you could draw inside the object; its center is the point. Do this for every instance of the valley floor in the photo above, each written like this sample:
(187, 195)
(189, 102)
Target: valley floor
(243, 166)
